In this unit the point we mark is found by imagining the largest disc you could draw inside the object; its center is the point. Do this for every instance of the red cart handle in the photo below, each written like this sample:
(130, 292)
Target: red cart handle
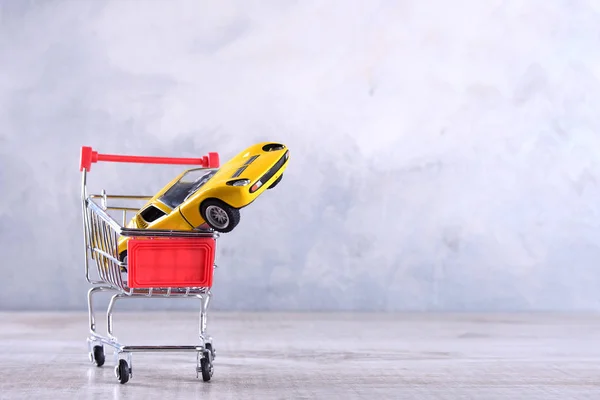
(89, 156)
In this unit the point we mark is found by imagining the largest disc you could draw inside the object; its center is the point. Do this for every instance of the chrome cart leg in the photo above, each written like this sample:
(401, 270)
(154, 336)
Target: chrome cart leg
(204, 360)
(204, 336)
(204, 302)
(123, 359)
(95, 347)
(109, 315)
(91, 313)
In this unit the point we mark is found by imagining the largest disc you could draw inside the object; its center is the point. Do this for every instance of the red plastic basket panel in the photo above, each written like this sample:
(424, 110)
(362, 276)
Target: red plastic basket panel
(170, 262)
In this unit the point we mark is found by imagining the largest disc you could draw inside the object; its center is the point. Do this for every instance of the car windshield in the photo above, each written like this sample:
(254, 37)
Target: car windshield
(190, 182)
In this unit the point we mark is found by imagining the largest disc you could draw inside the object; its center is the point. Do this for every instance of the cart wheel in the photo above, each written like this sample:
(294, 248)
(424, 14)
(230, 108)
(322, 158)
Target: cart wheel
(122, 371)
(206, 366)
(99, 355)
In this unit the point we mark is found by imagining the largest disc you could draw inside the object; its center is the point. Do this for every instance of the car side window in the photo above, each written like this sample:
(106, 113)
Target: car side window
(185, 187)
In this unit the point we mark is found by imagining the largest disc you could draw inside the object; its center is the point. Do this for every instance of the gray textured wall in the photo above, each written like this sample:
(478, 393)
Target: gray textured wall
(445, 154)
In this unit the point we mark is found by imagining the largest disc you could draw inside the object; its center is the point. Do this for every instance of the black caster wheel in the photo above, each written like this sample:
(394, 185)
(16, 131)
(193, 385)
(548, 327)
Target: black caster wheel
(122, 372)
(206, 365)
(98, 355)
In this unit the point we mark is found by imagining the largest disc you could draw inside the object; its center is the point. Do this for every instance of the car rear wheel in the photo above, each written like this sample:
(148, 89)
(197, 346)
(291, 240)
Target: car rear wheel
(219, 216)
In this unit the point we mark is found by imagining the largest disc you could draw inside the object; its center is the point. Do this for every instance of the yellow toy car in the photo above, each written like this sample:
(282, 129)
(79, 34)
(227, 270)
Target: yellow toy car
(213, 197)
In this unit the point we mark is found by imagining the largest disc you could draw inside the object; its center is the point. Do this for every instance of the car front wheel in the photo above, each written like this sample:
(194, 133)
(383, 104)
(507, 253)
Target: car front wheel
(276, 182)
(219, 216)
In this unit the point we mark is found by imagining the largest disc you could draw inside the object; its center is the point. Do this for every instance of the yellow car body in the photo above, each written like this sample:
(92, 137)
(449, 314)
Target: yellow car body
(206, 197)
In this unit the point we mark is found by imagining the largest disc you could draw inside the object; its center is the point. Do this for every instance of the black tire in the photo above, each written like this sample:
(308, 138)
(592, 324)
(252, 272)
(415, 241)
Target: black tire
(206, 366)
(219, 216)
(276, 182)
(99, 358)
(123, 372)
(122, 257)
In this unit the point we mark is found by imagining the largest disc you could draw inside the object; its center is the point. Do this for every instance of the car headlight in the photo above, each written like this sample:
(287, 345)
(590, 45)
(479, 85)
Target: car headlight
(239, 182)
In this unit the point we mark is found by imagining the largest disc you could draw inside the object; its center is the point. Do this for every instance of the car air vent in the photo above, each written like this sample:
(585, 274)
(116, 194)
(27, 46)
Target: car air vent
(273, 147)
(141, 223)
(151, 213)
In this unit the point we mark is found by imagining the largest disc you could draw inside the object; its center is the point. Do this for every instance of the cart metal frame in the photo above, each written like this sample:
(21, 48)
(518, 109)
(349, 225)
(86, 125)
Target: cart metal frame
(101, 232)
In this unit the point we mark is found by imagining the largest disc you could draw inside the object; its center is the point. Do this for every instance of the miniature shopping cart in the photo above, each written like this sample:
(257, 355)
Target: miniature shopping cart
(167, 264)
